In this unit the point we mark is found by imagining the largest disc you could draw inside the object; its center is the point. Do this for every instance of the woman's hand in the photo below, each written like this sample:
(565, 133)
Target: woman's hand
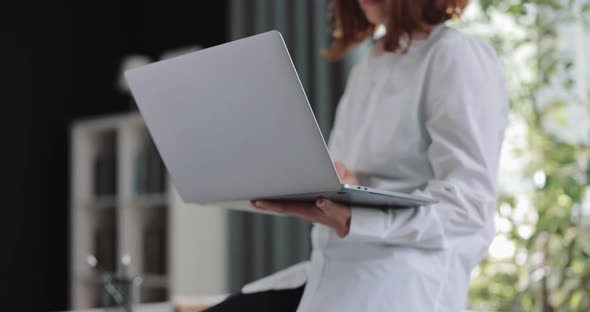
(346, 176)
(324, 211)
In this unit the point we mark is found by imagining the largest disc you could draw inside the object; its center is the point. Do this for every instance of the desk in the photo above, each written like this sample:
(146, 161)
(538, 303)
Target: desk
(178, 304)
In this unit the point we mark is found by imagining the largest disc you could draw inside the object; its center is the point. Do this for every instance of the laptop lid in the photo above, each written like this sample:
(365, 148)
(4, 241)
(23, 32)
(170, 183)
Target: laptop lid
(232, 122)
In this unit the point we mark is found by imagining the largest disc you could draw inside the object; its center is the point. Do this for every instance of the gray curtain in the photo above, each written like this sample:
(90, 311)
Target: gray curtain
(259, 244)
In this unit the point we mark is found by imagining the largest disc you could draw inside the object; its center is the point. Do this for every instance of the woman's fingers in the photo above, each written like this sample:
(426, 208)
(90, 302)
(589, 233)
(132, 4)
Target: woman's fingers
(340, 168)
(345, 174)
(324, 205)
(330, 209)
(337, 216)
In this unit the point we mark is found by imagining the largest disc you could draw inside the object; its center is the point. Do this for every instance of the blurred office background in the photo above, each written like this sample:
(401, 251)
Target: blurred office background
(99, 187)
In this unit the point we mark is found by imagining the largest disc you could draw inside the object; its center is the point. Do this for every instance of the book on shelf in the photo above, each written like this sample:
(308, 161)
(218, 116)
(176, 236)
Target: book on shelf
(149, 171)
(139, 173)
(105, 173)
(105, 247)
(156, 172)
(155, 242)
(105, 165)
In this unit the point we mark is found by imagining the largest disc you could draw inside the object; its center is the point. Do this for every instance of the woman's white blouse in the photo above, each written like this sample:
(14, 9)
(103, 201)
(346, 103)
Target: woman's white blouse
(427, 122)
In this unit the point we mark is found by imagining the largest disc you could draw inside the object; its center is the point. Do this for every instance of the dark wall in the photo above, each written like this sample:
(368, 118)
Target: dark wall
(60, 62)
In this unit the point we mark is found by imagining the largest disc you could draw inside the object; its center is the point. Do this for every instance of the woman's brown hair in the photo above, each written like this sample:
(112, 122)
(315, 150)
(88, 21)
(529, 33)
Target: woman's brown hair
(351, 27)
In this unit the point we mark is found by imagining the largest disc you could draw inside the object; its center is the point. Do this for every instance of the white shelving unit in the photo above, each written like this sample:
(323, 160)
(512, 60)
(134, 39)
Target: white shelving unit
(194, 244)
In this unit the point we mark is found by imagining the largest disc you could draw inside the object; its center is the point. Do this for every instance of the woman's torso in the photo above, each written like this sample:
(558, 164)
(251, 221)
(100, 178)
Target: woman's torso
(380, 134)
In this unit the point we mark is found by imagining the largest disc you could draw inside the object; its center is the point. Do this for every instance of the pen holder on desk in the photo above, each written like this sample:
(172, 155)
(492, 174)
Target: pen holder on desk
(117, 291)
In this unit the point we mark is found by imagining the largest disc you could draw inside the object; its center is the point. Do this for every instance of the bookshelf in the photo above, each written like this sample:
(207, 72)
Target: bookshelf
(122, 203)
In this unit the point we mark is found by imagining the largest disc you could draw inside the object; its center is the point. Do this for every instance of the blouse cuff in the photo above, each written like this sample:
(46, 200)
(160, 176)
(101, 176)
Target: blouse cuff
(366, 225)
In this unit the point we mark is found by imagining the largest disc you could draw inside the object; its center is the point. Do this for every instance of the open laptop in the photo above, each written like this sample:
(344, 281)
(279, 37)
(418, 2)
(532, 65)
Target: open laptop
(232, 122)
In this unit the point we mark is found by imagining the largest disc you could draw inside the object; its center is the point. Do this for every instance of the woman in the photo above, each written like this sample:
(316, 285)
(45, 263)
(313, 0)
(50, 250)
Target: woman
(424, 114)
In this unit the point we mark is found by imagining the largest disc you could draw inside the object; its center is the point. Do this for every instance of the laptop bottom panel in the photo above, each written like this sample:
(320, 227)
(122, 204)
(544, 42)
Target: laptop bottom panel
(359, 196)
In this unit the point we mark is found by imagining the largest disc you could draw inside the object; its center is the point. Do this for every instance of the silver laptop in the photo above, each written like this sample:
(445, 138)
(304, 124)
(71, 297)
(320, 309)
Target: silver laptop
(232, 122)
